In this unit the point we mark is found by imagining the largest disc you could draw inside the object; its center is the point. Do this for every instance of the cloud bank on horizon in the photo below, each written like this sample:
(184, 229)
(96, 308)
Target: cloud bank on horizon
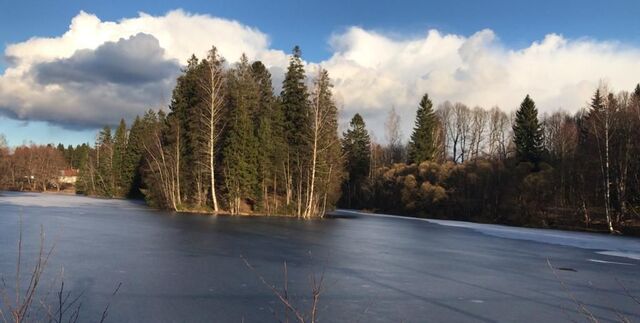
(99, 71)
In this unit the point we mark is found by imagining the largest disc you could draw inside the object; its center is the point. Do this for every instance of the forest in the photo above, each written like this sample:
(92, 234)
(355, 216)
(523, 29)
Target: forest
(228, 144)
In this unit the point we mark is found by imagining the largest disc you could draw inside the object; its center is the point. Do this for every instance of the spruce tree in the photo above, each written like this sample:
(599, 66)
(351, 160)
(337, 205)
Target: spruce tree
(423, 145)
(240, 151)
(61, 149)
(104, 161)
(185, 107)
(634, 103)
(85, 183)
(295, 107)
(70, 156)
(356, 148)
(268, 143)
(527, 133)
(119, 151)
(82, 155)
(132, 161)
(295, 101)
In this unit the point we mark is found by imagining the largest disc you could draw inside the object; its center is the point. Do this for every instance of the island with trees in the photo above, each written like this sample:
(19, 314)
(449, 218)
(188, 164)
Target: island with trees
(228, 144)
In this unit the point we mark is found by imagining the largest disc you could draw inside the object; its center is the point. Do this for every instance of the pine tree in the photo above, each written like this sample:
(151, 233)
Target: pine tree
(423, 144)
(527, 133)
(356, 148)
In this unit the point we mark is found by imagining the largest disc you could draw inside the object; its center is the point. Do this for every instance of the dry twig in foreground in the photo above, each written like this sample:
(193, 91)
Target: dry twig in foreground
(317, 284)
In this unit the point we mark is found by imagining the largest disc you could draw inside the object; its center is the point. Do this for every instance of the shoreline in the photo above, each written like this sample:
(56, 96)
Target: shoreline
(335, 214)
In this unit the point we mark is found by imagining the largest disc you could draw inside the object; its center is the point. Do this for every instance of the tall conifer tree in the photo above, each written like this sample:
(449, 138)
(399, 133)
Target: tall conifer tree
(119, 151)
(527, 132)
(104, 161)
(185, 101)
(423, 144)
(131, 179)
(240, 152)
(356, 148)
(270, 146)
(295, 107)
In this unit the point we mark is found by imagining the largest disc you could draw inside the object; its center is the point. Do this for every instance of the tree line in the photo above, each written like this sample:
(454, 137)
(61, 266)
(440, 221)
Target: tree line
(228, 143)
(558, 170)
(30, 167)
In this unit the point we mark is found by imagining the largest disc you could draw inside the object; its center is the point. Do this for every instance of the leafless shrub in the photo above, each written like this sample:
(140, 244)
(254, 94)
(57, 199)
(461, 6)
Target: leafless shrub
(18, 304)
(17, 308)
(317, 287)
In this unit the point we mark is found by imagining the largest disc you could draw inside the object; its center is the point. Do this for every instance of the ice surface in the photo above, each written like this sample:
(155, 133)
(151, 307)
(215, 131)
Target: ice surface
(627, 247)
(52, 199)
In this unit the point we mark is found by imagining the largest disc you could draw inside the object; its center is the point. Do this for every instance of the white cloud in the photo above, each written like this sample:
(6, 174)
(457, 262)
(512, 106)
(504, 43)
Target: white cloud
(50, 78)
(371, 71)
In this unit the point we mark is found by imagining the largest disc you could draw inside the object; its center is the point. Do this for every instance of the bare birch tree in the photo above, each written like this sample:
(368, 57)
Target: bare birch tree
(212, 84)
(393, 135)
(323, 137)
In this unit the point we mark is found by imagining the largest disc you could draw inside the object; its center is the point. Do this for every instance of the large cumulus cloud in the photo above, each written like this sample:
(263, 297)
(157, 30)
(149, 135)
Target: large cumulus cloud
(99, 71)
(374, 72)
(133, 61)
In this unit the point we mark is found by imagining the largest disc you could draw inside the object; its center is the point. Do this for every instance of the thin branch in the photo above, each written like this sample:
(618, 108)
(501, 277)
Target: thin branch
(283, 298)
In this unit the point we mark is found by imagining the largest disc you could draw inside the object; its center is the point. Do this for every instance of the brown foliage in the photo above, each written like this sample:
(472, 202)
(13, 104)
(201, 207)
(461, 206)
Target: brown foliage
(32, 168)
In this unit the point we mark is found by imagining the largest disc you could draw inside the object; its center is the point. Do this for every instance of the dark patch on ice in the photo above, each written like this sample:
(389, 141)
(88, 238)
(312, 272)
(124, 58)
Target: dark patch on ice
(567, 269)
(340, 215)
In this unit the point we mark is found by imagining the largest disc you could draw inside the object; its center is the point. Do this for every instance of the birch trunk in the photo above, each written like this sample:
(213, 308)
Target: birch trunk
(314, 155)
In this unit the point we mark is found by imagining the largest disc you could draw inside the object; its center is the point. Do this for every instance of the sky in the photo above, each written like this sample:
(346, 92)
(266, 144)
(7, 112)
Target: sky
(69, 67)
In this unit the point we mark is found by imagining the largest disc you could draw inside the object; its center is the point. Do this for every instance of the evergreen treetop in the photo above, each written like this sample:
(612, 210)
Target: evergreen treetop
(527, 132)
(295, 98)
(422, 144)
(356, 146)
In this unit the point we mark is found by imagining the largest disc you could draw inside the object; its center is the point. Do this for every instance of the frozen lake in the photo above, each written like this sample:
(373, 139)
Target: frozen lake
(188, 268)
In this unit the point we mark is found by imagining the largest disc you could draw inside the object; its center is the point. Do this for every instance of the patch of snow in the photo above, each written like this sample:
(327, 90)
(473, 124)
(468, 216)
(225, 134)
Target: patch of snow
(625, 254)
(610, 262)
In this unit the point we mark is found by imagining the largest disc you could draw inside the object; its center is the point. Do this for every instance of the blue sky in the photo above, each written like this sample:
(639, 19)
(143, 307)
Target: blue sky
(312, 23)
